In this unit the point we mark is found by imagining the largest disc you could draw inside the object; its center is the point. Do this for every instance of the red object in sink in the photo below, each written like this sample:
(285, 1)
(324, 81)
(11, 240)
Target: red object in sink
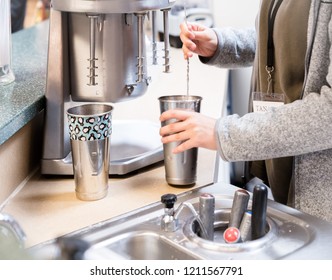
(232, 235)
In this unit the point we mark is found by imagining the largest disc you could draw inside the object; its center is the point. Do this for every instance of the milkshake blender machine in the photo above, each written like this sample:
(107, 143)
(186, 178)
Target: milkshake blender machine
(96, 53)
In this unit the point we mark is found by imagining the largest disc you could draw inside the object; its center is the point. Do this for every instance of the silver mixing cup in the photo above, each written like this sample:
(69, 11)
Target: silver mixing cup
(90, 128)
(180, 169)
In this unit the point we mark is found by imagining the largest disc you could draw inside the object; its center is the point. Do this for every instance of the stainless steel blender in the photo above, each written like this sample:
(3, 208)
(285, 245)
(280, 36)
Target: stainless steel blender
(96, 53)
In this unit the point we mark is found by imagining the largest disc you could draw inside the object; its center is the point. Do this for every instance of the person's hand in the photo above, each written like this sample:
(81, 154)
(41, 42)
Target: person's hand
(192, 130)
(198, 39)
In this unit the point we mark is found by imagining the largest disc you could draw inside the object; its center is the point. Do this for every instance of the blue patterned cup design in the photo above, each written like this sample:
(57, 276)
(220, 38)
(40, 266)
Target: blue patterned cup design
(90, 122)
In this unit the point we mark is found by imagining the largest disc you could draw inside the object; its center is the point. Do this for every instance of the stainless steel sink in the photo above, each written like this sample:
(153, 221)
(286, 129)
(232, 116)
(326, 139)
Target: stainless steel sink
(145, 245)
(290, 234)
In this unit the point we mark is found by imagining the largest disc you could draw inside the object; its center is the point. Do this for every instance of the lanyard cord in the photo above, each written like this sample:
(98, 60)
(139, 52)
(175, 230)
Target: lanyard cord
(270, 43)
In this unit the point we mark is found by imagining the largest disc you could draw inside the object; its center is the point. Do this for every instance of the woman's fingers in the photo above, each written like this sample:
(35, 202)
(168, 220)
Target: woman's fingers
(179, 114)
(182, 137)
(190, 129)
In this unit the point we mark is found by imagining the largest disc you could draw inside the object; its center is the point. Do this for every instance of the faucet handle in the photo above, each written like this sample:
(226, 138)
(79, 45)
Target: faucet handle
(168, 221)
(169, 200)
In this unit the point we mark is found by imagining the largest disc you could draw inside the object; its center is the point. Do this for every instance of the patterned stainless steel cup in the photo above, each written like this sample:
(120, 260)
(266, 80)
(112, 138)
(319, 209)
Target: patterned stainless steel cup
(90, 128)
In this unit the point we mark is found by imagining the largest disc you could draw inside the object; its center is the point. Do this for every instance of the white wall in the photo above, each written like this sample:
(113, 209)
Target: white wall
(236, 13)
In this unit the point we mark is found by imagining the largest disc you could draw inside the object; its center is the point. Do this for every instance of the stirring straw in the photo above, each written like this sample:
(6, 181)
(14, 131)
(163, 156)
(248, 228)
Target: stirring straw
(185, 19)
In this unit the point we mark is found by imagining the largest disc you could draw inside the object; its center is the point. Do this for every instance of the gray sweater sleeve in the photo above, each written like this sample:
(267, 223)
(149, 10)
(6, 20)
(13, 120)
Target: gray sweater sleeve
(300, 127)
(236, 48)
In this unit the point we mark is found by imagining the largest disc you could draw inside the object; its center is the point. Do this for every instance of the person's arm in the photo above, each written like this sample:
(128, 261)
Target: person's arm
(301, 127)
(236, 48)
(225, 47)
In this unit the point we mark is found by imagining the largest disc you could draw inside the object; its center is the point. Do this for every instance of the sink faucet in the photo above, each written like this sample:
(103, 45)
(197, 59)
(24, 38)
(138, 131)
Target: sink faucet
(12, 238)
(170, 219)
(8, 222)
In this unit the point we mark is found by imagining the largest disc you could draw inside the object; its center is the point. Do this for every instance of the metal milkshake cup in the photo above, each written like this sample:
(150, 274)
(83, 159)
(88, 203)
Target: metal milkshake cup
(180, 169)
(90, 128)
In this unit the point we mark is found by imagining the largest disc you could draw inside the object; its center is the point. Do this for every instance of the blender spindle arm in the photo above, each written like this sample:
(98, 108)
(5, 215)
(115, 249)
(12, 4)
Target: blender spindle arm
(92, 67)
(154, 39)
(166, 40)
(140, 57)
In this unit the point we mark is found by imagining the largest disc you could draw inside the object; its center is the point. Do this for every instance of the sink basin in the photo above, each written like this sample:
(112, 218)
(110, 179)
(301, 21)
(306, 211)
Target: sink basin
(290, 234)
(145, 245)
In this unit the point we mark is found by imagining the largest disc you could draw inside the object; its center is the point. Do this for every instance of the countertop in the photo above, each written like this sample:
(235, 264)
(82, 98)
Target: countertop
(46, 206)
(23, 99)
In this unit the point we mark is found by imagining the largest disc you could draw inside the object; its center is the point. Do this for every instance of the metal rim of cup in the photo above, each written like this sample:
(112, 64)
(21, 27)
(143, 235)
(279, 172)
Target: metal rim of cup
(182, 98)
(86, 110)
